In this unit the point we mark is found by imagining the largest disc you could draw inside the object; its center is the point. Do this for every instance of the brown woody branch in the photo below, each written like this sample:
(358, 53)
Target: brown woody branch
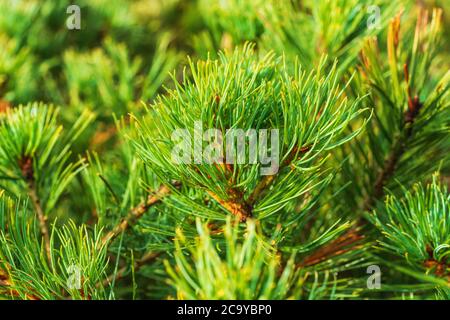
(347, 242)
(42, 219)
(5, 287)
(4, 279)
(398, 148)
(234, 203)
(441, 268)
(137, 212)
(240, 209)
(4, 106)
(243, 208)
(26, 166)
(132, 217)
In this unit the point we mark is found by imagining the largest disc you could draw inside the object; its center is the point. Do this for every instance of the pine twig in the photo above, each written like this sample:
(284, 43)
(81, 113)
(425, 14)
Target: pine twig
(345, 243)
(4, 279)
(137, 212)
(384, 175)
(386, 172)
(5, 287)
(134, 214)
(42, 219)
(243, 208)
(398, 149)
(240, 209)
(26, 165)
(4, 106)
(235, 203)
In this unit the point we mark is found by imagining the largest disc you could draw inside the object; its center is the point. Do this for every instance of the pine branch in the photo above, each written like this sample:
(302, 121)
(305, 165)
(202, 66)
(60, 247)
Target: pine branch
(240, 209)
(347, 242)
(236, 204)
(26, 165)
(41, 217)
(439, 267)
(299, 241)
(4, 279)
(351, 236)
(4, 106)
(398, 148)
(16, 294)
(243, 208)
(6, 290)
(138, 211)
(414, 227)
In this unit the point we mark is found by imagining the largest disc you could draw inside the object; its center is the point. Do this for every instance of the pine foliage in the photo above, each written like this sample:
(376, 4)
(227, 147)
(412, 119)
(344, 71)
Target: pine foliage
(351, 97)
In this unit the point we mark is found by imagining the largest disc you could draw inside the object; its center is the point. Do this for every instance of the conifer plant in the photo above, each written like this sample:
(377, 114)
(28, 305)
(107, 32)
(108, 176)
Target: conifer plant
(225, 150)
